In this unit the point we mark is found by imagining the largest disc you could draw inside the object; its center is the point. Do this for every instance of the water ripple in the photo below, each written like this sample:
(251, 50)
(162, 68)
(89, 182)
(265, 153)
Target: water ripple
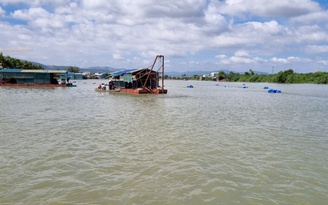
(207, 145)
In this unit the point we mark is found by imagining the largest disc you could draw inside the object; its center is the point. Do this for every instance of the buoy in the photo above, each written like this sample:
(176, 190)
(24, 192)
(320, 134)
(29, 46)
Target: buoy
(265, 87)
(274, 91)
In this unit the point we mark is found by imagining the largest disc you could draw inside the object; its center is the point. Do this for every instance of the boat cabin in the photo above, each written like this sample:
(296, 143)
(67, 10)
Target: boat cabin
(138, 81)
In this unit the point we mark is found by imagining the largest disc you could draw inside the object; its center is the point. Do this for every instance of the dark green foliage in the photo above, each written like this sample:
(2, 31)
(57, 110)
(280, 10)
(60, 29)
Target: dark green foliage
(288, 76)
(73, 69)
(9, 62)
(233, 77)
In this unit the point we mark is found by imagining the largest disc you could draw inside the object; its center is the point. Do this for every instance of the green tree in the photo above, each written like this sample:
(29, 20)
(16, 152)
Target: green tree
(282, 76)
(233, 77)
(195, 77)
(73, 69)
(9, 62)
(2, 60)
(221, 75)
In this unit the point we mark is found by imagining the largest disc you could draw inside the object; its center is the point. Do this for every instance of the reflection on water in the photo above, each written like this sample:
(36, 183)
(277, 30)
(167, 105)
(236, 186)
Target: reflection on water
(206, 145)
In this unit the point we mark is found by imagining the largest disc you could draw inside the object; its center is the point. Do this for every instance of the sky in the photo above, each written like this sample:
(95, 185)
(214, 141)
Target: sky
(210, 35)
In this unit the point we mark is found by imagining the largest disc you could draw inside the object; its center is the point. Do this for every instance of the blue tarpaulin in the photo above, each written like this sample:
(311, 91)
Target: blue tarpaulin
(121, 72)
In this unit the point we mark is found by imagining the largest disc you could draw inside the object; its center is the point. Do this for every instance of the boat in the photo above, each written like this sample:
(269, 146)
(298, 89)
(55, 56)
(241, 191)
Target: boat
(71, 84)
(139, 81)
(108, 90)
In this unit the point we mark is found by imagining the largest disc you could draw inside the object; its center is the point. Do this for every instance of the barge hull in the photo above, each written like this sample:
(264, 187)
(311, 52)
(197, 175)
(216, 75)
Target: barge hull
(33, 85)
(144, 91)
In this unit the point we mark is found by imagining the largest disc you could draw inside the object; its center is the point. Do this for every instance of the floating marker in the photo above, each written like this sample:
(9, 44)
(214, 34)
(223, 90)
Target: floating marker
(274, 91)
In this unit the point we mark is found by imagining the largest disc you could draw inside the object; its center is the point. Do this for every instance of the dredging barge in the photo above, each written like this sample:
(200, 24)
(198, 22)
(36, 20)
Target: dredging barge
(138, 81)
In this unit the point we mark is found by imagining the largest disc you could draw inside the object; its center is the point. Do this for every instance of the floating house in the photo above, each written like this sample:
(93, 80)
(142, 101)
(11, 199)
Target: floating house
(140, 81)
(43, 78)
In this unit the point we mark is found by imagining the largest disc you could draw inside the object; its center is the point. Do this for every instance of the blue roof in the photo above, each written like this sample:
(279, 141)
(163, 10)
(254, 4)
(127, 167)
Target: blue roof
(121, 72)
(15, 70)
(10, 70)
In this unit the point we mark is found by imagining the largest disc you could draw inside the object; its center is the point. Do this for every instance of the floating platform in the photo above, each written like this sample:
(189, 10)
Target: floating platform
(139, 81)
(35, 85)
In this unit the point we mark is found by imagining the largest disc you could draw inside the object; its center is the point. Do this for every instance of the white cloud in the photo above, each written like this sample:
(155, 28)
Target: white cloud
(117, 56)
(311, 34)
(267, 8)
(324, 62)
(241, 53)
(237, 59)
(317, 49)
(2, 12)
(290, 59)
(127, 32)
(279, 60)
(310, 18)
(221, 56)
(40, 18)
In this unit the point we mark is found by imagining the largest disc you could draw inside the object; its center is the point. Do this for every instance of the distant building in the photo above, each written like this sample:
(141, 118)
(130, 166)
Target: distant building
(99, 75)
(214, 74)
(77, 76)
(86, 74)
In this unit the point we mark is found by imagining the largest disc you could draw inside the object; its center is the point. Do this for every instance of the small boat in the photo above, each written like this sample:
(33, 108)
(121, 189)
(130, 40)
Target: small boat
(70, 85)
(106, 90)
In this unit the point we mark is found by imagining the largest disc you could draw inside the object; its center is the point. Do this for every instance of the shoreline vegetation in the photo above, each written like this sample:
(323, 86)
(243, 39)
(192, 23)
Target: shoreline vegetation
(9, 62)
(287, 76)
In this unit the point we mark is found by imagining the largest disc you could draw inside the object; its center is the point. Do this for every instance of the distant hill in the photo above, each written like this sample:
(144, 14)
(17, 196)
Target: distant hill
(192, 73)
(107, 69)
(100, 69)
(96, 69)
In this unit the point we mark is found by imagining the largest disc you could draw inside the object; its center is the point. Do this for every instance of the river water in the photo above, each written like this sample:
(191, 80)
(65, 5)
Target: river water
(211, 144)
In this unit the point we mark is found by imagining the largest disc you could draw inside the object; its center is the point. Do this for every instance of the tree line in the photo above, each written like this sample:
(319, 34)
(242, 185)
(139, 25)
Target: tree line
(287, 76)
(9, 62)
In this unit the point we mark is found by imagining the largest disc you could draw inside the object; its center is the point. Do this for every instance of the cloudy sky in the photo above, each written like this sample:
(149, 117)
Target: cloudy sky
(236, 35)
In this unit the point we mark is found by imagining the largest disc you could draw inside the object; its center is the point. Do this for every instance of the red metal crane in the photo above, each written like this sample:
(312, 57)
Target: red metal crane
(159, 70)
